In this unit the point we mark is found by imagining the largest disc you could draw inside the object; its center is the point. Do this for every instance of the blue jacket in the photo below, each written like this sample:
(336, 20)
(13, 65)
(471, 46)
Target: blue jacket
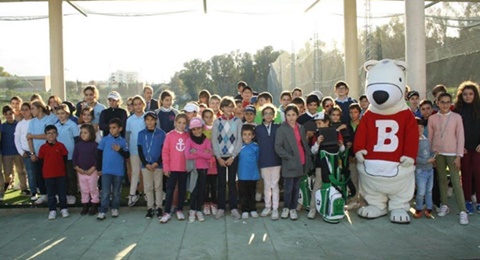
(248, 163)
(266, 143)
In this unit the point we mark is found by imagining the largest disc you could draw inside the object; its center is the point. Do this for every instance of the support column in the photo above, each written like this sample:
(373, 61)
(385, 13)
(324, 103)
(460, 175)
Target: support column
(55, 17)
(351, 47)
(415, 52)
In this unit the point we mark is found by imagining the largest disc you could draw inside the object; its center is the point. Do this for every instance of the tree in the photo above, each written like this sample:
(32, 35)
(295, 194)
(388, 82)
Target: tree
(3, 73)
(195, 76)
(263, 59)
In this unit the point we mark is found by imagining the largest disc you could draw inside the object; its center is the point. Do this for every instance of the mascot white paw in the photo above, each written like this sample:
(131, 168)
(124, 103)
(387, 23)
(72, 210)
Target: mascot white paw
(399, 216)
(371, 212)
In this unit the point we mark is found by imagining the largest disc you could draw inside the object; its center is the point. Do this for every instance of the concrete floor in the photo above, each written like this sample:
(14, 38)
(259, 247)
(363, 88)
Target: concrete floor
(27, 234)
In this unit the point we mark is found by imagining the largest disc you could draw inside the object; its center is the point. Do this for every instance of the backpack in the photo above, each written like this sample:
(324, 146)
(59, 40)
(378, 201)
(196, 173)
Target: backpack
(330, 198)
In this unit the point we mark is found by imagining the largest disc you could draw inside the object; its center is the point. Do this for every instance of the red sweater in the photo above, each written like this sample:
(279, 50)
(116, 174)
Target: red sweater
(173, 152)
(387, 137)
(53, 160)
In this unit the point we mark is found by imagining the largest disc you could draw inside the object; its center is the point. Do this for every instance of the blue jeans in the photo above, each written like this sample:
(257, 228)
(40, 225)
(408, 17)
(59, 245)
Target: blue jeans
(291, 186)
(111, 183)
(56, 186)
(424, 182)
(32, 185)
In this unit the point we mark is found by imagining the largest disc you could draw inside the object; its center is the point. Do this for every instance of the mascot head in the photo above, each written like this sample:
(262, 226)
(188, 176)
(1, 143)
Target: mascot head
(385, 86)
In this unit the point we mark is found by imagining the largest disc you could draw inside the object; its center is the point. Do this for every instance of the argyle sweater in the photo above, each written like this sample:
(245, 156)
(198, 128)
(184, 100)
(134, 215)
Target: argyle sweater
(227, 136)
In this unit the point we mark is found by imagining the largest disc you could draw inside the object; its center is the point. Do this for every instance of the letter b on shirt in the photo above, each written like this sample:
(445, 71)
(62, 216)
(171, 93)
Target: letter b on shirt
(387, 139)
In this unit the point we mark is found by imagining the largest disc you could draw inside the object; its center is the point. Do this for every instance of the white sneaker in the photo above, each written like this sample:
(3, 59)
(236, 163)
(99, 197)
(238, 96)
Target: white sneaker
(254, 214)
(52, 214)
(275, 214)
(293, 214)
(266, 212)
(64, 213)
(285, 212)
(165, 218)
(41, 200)
(191, 216)
(33, 198)
(245, 215)
(114, 213)
(71, 199)
(258, 197)
(101, 216)
(235, 213)
(206, 209)
(213, 208)
(220, 214)
(200, 216)
(180, 215)
(132, 199)
(444, 210)
(312, 213)
(463, 218)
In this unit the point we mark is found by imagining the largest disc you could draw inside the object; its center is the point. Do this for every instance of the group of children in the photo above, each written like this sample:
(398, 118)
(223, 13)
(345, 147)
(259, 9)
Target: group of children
(246, 141)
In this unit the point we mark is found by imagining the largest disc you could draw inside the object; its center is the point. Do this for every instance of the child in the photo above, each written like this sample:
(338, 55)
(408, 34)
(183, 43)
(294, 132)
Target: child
(467, 105)
(214, 104)
(166, 113)
(191, 110)
(322, 120)
(91, 95)
(355, 111)
(10, 154)
(250, 113)
(291, 145)
(227, 142)
(86, 117)
(445, 132)
(423, 174)
(300, 103)
(174, 166)
(150, 143)
(203, 96)
(297, 92)
(285, 99)
(247, 93)
(306, 120)
(16, 102)
(265, 98)
(327, 104)
(68, 135)
(268, 161)
(36, 138)
(343, 100)
(53, 156)
(112, 151)
(21, 143)
(248, 172)
(113, 111)
(84, 161)
(199, 149)
(239, 110)
(135, 124)
(364, 103)
(413, 98)
(211, 180)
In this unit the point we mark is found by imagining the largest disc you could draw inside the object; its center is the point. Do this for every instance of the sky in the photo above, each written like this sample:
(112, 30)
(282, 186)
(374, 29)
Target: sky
(156, 46)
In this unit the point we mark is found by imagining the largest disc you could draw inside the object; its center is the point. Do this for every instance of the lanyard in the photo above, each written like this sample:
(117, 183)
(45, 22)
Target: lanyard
(149, 147)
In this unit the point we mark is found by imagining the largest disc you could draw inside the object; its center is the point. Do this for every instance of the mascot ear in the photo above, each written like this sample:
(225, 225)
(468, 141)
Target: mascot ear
(369, 64)
(401, 64)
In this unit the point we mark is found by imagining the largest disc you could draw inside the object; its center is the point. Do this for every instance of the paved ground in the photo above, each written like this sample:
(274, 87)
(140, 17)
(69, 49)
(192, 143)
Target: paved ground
(27, 234)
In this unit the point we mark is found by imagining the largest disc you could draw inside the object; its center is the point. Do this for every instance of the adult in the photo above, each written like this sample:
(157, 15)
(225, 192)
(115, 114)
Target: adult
(90, 97)
(467, 104)
(15, 103)
(152, 103)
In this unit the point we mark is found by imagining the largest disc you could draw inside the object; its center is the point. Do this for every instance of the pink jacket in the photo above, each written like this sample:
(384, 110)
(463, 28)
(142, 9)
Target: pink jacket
(201, 153)
(173, 152)
(453, 139)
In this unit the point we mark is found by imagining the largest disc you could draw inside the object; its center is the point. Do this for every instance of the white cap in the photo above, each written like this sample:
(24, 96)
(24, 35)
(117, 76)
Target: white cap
(190, 107)
(319, 116)
(114, 95)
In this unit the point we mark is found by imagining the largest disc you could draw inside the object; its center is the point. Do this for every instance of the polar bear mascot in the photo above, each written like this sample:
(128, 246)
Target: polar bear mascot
(386, 144)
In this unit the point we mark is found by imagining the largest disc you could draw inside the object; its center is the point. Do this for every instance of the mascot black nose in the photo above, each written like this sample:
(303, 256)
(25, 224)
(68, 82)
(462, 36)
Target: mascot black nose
(380, 96)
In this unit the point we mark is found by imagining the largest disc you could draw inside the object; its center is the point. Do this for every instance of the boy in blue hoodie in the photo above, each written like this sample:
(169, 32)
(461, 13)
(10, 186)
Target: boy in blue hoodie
(424, 173)
(248, 172)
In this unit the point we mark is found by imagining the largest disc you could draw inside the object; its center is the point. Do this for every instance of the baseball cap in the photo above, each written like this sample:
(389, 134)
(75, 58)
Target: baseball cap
(319, 116)
(114, 95)
(195, 122)
(250, 108)
(150, 114)
(190, 107)
(253, 100)
(412, 93)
